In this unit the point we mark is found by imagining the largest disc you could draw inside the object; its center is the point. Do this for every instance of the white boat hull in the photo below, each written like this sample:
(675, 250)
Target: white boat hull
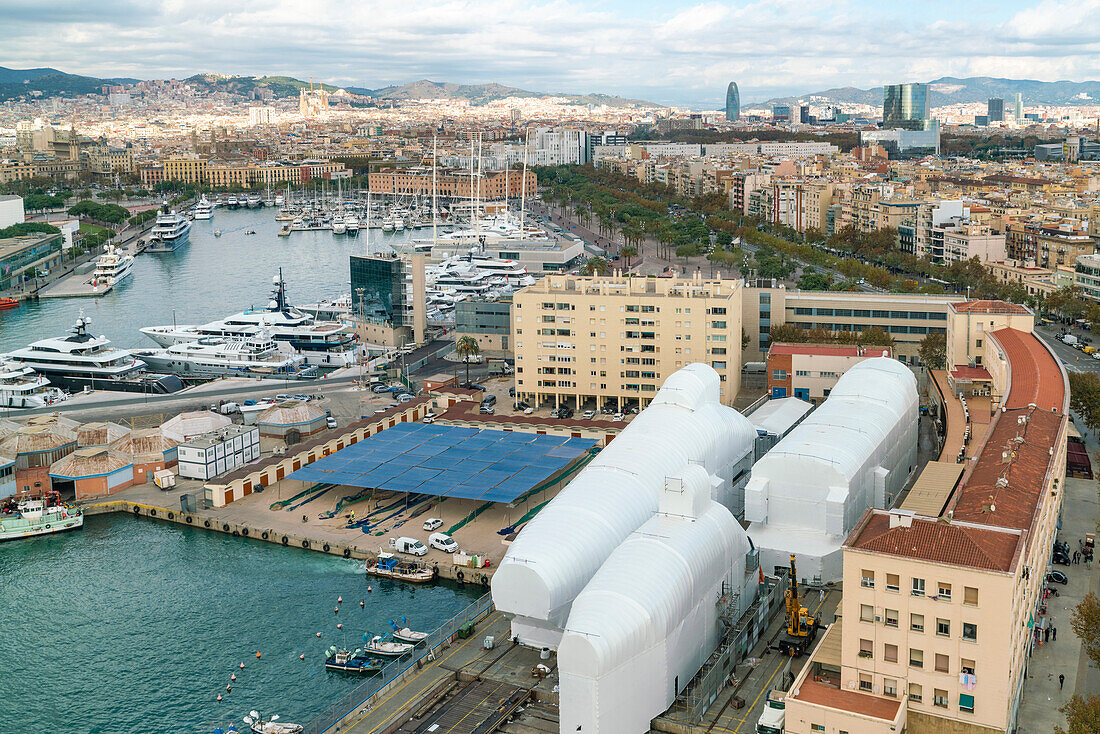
(71, 523)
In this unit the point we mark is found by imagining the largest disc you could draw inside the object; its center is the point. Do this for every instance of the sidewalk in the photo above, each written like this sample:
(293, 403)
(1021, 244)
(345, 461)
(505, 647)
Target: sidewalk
(1042, 697)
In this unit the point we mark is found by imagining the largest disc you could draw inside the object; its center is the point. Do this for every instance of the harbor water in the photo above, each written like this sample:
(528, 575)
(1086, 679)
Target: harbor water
(209, 278)
(132, 625)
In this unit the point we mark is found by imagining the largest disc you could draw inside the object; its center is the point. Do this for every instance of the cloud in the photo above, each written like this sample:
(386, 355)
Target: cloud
(674, 52)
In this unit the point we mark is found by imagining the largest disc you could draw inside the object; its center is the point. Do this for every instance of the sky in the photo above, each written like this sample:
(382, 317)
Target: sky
(676, 52)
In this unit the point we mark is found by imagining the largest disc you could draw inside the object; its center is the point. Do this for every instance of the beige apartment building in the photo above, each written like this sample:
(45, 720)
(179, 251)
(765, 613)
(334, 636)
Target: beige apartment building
(942, 602)
(612, 340)
(185, 169)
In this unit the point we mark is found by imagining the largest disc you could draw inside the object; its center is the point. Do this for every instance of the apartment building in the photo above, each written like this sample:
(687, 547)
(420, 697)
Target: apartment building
(800, 205)
(612, 340)
(1035, 280)
(185, 169)
(809, 371)
(459, 184)
(1048, 241)
(942, 608)
(1086, 276)
(958, 240)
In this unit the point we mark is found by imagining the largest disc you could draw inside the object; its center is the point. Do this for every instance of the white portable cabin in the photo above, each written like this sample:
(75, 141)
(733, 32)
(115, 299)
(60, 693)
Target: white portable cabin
(562, 547)
(647, 621)
(854, 452)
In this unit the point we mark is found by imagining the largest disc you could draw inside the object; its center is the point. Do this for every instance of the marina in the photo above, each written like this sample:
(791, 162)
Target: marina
(181, 610)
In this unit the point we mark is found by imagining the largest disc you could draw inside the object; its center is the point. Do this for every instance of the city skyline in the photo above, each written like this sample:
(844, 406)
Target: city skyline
(675, 54)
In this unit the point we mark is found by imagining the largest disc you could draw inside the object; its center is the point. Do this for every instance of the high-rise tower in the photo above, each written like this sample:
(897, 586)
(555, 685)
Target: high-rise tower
(733, 103)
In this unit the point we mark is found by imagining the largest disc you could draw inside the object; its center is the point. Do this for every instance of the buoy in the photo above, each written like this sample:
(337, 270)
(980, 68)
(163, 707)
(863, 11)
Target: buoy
(318, 634)
(339, 626)
(361, 603)
(339, 600)
(233, 677)
(301, 657)
(242, 664)
(257, 657)
(219, 696)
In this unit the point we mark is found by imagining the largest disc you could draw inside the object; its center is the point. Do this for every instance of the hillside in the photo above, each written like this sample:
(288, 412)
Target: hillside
(952, 90)
(50, 83)
(280, 86)
(484, 93)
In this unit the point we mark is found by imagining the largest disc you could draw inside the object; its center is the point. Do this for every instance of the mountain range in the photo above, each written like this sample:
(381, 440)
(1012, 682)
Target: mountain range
(950, 90)
(53, 83)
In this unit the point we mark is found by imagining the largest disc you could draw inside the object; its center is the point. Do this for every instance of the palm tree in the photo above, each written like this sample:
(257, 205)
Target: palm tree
(596, 266)
(628, 252)
(467, 347)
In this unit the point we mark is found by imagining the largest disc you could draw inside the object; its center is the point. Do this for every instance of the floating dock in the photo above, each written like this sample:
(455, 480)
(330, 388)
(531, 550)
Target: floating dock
(74, 285)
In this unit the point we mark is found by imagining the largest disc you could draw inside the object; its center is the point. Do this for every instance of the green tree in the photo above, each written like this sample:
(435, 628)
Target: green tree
(723, 239)
(1086, 622)
(467, 347)
(1067, 302)
(596, 266)
(933, 351)
(1084, 400)
(628, 251)
(1082, 715)
(811, 280)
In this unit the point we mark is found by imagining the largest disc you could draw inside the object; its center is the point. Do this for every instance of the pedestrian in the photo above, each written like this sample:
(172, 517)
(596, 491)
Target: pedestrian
(821, 596)
(1046, 634)
(1054, 632)
(1061, 681)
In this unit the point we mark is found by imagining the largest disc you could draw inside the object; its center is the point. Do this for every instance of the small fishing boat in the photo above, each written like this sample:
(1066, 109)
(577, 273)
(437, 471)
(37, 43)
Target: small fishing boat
(257, 725)
(405, 634)
(285, 231)
(386, 648)
(217, 233)
(389, 566)
(351, 661)
(6, 303)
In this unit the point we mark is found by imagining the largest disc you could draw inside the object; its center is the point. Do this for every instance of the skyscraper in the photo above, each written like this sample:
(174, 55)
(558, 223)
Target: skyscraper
(905, 106)
(733, 103)
(996, 109)
(1019, 105)
(781, 113)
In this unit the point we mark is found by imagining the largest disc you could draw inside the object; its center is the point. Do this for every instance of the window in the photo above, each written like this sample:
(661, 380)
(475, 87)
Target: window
(915, 692)
(916, 657)
(866, 613)
(970, 596)
(978, 344)
(890, 653)
(916, 622)
(866, 648)
(943, 591)
(779, 374)
(966, 703)
(864, 682)
(817, 727)
(943, 627)
(943, 665)
(867, 579)
(966, 666)
(939, 698)
(890, 687)
(918, 587)
(892, 582)
(891, 618)
(970, 631)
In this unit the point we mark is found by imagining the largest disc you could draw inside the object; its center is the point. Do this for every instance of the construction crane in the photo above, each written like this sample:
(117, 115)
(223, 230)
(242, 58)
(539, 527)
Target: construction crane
(801, 627)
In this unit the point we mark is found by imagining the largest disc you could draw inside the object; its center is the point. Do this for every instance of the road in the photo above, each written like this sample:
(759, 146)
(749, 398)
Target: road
(1073, 359)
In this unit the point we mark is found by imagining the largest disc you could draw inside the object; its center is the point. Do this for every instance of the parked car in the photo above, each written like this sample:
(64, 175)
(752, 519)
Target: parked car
(281, 397)
(330, 422)
(528, 411)
(380, 388)
(1061, 546)
(473, 386)
(412, 546)
(618, 417)
(1057, 577)
(489, 400)
(1061, 559)
(588, 415)
(432, 523)
(404, 397)
(443, 542)
(429, 418)
(303, 397)
(487, 410)
(511, 392)
(521, 405)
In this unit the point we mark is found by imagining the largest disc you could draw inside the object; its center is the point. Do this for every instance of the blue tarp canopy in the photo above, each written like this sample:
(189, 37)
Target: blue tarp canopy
(449, 461)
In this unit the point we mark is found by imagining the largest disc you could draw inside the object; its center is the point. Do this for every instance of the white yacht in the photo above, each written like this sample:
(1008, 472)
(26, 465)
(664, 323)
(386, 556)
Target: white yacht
(204, 209)
(256, 356)
(351, 224)
(112, 266)
(233, 202)
(81, 360)
(338, 225)
(22, 387)
(169, 232)
(322, 343)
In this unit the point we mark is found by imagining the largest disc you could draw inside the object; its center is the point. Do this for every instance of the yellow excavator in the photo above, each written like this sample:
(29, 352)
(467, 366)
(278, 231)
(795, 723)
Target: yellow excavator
(801, 627)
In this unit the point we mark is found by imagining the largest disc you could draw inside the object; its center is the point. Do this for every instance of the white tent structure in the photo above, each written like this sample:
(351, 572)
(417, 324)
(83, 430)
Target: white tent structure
(647, 621)
(856, 451)
(562, 547)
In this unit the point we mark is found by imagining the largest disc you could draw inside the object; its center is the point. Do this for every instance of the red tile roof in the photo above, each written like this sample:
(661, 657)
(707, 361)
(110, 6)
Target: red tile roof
(811, 691)
(938, 541)
(1035, 376)
(988, 307)
(966, 372)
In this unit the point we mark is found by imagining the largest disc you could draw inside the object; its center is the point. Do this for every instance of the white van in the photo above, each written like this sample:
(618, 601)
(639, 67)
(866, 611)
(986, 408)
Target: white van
(412, 546)
(443, 542)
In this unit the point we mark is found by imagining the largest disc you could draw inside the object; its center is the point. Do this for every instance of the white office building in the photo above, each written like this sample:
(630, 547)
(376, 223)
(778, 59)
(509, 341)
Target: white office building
(222, 451)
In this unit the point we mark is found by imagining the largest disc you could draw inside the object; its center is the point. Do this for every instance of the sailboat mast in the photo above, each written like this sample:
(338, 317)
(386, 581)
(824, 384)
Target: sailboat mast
(435, 194)
(523, 187)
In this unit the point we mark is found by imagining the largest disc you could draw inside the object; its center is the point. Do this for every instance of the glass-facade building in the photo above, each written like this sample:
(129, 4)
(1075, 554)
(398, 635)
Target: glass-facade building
(378, 289)
(733, 103)
(995, 108)
(905, 106)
